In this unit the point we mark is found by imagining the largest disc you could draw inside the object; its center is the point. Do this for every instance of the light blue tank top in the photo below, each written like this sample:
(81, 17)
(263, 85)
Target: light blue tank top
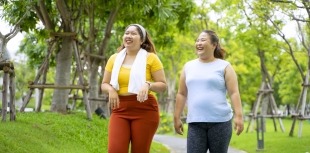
(206, 96)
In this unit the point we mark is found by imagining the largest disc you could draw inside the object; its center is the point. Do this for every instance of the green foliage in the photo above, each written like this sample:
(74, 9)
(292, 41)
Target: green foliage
(158, 148)
(57, 133)
(53, 133)
(34, 46)
(25, 74)
(289, 92)
(243, 26)
(20, 10)
(275, 141)
(177, 55)
(166, 123)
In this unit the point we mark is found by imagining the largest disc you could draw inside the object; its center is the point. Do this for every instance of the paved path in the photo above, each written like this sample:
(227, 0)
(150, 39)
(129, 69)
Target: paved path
(178, 145)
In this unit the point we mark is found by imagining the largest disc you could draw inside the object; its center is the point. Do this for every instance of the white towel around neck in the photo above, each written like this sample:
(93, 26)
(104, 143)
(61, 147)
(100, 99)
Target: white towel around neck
(137, 73)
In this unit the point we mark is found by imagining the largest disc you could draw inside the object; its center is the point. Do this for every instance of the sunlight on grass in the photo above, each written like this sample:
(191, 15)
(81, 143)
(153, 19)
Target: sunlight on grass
(52, 133)
(73, 133)
(275, 141)
(57, 133)
(158, 148)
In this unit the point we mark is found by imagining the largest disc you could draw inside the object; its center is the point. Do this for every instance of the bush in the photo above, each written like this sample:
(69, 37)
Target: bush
(166, 124)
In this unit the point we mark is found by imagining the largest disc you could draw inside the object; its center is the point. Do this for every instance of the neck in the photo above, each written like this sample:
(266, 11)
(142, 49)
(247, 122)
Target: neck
(132, 52)
(206, 59)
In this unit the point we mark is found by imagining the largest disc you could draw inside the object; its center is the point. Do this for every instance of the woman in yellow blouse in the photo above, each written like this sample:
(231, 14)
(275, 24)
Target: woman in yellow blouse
(131, 77)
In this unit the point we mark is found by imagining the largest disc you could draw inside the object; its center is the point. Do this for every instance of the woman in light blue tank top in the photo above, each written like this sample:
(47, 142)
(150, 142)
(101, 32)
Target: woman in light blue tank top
(204, 83)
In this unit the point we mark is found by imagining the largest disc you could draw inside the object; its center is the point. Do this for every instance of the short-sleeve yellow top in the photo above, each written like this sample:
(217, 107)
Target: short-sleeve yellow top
(153, 64)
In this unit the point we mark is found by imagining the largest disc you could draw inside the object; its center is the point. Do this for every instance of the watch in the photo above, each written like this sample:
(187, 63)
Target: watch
(149, 84)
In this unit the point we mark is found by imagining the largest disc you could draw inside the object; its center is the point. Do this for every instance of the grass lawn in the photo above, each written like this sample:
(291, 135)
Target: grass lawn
(56, 133)
(274, 141)
(73, 133)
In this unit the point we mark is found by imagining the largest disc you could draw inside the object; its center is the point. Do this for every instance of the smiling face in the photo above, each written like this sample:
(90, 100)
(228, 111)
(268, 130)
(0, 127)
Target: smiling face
(132, 39)
(204, 46)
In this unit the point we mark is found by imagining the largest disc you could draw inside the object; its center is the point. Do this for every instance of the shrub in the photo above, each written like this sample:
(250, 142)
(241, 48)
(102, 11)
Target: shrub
(166, 124)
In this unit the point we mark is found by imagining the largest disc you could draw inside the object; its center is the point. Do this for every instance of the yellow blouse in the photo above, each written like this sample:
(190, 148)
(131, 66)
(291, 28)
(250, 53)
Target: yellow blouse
(153, 64)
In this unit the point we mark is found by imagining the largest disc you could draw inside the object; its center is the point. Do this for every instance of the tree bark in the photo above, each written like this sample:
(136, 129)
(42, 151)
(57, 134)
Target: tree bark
(63, 61)
(62, 77)
(93, 72)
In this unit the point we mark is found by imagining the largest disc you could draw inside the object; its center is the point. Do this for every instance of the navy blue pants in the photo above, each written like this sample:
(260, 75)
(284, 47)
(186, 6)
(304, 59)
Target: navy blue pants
(204, 136)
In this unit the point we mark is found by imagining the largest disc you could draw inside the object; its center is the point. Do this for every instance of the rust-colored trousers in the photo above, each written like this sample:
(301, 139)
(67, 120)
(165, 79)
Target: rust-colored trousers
(133, 123)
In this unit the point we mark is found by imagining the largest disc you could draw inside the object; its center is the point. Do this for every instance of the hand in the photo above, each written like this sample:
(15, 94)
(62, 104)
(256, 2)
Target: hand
(143, 93)
(238, 125)
(113, 99)
(178, 126)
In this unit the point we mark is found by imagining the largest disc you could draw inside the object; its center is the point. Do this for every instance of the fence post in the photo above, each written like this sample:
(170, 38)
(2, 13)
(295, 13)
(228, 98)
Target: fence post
(260, 132)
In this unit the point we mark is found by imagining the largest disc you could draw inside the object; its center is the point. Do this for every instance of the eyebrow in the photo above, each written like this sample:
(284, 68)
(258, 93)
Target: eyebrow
(131, 31)
(203, 38)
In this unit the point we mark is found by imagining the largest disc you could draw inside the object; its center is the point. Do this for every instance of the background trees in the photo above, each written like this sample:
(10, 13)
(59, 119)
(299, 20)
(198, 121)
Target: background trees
(88, 24)
(247, 29)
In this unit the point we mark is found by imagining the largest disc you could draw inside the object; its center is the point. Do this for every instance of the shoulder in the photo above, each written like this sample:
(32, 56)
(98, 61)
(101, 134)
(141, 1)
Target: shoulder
(151, 55)
(223, 62)
(154, 62)
(191, 62)
(113, 57)
(110, 63)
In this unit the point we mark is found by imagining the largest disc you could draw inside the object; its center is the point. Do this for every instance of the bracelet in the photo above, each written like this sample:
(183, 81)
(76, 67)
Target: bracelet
(149, 84)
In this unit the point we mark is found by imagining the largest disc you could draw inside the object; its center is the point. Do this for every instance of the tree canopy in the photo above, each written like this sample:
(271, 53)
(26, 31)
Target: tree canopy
(246, 28)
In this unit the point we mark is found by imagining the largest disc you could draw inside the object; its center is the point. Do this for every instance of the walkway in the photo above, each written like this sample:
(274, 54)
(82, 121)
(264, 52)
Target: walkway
(178, 145)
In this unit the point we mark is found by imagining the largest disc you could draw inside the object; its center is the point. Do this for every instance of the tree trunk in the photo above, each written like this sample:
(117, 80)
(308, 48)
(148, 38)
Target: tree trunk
(93, 68)
(3, 50)
(62, 77)
(171, 94)
(93, 91)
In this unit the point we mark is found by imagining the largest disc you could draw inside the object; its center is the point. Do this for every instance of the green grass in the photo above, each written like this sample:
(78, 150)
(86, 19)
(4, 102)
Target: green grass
(73, 133)
(56, 133)
(158, 148)
(274, 141)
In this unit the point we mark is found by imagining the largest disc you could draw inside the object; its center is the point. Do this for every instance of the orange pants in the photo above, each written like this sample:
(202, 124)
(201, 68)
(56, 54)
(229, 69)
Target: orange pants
(133, 123)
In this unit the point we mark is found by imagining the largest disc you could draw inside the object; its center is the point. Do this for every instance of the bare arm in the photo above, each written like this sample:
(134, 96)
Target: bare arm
(233, 91)
(105, 85)
(180, 104)
(107, 88)
(159, 84)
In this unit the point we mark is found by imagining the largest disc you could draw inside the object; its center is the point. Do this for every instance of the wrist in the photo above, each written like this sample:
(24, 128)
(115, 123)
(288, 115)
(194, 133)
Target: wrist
(176, 117)
(149, 84)
(238, 115)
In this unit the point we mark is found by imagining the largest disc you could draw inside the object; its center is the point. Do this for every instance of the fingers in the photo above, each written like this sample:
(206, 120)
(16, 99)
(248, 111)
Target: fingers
(142, 96)
(238, 128)
(143, 93)
(113, 99)
(179, 131)
(238, 125)
(178, 127)
(114, 103)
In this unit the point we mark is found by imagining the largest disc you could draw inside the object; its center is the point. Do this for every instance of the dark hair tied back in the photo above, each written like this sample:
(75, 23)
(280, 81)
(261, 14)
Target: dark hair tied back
(219, 52)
